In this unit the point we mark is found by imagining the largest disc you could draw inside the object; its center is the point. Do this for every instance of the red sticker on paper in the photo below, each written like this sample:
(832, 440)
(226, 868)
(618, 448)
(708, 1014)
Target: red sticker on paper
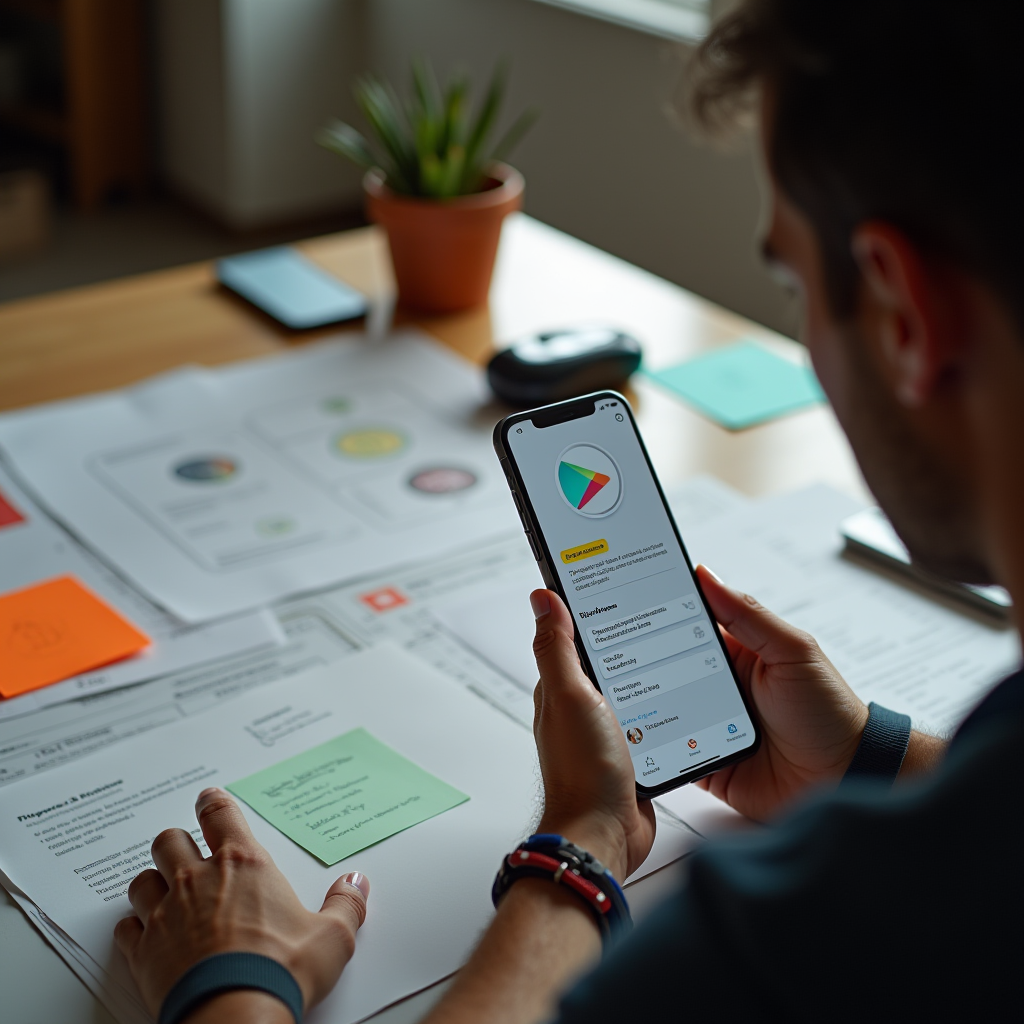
(384, 600)
(9, 515)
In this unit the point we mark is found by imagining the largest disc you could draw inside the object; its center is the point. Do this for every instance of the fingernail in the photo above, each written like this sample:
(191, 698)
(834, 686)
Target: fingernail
(541, 603)
(360, 881)
(208, 794)
(714, 575)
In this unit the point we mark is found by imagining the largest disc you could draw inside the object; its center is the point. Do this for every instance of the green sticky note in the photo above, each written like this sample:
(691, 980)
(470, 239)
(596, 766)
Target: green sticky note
(742, 385)
(345, 795)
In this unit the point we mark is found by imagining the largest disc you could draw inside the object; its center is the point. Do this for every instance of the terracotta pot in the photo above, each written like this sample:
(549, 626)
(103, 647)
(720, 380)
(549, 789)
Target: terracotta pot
(443, 250)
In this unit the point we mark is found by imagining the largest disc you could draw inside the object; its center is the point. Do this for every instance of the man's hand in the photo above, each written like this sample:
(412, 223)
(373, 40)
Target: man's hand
(589, 787)
(234, 901)
(811, 721)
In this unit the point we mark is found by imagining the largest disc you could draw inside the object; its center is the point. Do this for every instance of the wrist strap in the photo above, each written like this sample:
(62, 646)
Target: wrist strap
(224, 972)
(553, 857)
(882, 747)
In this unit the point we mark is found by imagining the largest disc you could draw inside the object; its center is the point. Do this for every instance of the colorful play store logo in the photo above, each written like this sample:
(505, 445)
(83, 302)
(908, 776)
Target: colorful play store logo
(588, 480)
(579, 485)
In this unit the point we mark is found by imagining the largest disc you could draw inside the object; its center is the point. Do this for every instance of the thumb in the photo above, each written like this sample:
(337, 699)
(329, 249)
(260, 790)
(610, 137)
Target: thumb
(557, 659)
(346, 900)
(756, 628)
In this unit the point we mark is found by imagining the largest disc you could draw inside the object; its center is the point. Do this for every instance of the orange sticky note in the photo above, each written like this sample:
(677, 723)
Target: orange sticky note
(56, 629)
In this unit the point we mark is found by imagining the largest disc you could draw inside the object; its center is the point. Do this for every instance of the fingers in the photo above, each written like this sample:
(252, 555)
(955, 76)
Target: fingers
(147, 889)
(555, 651)
(172, 849)
(346, 900)
(222, 821)
(127, 933)
(758, 629)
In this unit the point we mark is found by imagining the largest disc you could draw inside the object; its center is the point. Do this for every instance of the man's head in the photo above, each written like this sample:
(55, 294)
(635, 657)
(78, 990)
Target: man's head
(892, 134)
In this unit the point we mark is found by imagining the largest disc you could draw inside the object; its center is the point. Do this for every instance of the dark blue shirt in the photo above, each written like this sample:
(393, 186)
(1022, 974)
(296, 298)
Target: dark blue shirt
(874, 903)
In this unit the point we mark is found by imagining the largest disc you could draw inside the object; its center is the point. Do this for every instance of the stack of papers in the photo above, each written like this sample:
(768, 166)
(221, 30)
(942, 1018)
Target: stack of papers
(261, 540)
(220, 491)
(70, 849)
(34, 549)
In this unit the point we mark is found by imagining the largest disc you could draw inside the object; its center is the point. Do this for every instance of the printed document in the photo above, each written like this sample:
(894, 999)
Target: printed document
(72, 839)
(894, 642)
(219, 491)
(34, 548)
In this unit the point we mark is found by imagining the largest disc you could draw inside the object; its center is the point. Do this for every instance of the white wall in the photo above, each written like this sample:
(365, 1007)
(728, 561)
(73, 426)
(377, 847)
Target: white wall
(243, 87)
(605, 162)
(246, 83)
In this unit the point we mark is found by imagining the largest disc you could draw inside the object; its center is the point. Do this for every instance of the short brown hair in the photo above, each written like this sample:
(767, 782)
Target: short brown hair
(907, 111)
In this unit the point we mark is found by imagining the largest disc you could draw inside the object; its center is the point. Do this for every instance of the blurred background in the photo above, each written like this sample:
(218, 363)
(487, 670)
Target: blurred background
(140, 134)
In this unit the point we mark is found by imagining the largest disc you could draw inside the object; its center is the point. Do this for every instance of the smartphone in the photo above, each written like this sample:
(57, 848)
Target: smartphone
(292, 289)
(601, 530)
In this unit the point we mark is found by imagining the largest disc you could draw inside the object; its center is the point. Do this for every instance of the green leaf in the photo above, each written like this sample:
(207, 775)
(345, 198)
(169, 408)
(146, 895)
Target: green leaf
(425, 87)
(379, 106)
(451, 172)
(482, 128)
(514, 135)
(430, 143)
(344, 139)
(454, 131)
(430, 175)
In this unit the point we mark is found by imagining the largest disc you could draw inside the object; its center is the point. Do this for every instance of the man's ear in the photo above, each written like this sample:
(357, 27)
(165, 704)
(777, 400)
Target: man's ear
(915, 337)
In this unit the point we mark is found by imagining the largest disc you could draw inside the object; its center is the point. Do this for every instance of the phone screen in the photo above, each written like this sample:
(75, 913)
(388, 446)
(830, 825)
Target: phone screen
(645, 630)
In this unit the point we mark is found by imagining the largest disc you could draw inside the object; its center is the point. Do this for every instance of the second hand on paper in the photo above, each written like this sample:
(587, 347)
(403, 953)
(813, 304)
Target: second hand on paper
(345, 795)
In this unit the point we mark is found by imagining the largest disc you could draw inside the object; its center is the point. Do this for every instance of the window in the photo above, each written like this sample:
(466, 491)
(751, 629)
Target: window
(673, 19)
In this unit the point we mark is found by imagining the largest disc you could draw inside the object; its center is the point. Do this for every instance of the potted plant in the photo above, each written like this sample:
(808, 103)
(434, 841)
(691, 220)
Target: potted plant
(435, 184)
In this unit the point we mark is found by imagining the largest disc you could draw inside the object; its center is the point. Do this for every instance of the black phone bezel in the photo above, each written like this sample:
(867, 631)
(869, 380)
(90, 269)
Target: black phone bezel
(578, 408)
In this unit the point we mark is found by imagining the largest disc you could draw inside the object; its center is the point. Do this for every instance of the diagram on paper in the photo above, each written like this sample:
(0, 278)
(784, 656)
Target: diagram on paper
(391, 460)
(218, 491)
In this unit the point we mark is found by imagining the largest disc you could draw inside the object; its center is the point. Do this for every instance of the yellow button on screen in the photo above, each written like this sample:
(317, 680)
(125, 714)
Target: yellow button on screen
(595, 547)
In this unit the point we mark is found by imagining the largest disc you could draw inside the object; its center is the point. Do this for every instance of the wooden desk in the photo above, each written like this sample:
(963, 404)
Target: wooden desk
(113, 334)
(108, 335)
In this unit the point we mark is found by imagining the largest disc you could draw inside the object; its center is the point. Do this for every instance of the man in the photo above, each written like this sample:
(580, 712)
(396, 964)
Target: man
(891, 134)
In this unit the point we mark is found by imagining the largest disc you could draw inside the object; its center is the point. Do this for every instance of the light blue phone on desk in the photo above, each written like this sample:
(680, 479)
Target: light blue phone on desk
(292, 289)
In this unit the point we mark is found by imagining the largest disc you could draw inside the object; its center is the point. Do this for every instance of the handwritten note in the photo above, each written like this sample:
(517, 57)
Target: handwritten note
(345, 795)
(56, 629)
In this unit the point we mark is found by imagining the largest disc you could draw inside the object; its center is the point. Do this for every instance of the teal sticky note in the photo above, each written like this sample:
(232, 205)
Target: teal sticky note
(344, 795)
(742, 385)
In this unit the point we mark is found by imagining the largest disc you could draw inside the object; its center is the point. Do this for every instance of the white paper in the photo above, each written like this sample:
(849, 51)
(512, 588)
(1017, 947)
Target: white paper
(674, 839)
(218, 491)
(909, 649)
(705, 814)
(408, 606)
(422, 921)
(120, 1004)
(38, 549)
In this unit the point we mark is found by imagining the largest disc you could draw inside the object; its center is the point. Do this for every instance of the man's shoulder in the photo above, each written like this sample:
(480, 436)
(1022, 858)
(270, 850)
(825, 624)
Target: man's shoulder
(1000, 710)
(907, 892)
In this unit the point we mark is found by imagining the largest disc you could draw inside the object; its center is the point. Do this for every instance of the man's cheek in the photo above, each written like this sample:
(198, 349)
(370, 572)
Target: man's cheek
(825, 350)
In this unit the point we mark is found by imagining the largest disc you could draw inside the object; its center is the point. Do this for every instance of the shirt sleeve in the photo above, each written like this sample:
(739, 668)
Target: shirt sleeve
(851, 907)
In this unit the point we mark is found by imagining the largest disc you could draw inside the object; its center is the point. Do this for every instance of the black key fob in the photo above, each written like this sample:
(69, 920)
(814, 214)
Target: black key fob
(553, 365)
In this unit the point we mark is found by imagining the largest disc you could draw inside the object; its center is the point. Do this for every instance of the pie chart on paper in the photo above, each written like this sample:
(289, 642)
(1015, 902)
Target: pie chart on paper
(589, 480)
